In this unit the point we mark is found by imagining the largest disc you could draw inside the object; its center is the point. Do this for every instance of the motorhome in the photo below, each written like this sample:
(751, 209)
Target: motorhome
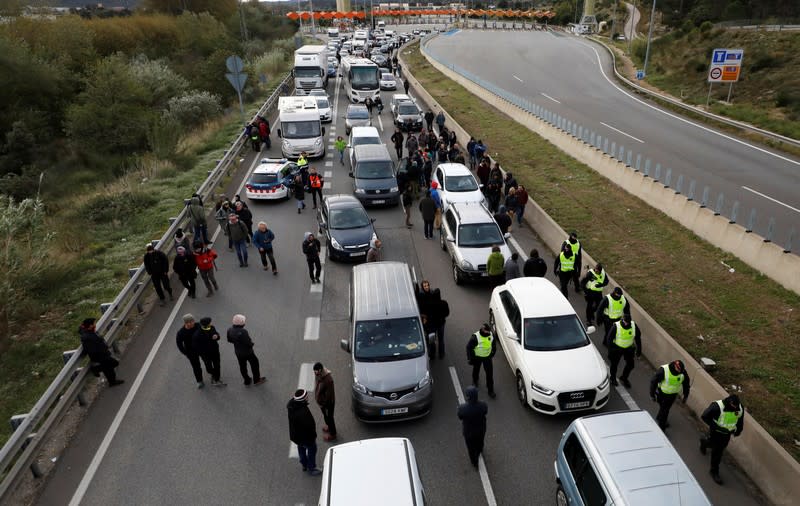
(361, 77)
(300, 128)
(310, 69)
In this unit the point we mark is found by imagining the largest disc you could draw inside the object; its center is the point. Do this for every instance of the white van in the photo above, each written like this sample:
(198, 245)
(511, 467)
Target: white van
(372, 471)
(300, 128)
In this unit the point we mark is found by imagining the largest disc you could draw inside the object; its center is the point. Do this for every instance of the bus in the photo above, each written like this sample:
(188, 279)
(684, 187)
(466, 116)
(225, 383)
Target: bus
(361, 78)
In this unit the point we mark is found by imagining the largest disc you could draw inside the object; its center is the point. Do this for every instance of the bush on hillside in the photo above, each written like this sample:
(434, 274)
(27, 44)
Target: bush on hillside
(193, 109)
(158, 79)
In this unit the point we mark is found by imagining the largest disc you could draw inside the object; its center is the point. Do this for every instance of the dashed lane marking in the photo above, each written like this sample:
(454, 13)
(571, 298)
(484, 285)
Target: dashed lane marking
(621, 132)
(311, 332)
(545, 95)
(328, 173)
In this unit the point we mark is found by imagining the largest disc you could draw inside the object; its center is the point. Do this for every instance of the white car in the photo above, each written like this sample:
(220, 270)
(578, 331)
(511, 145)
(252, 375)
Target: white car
(360, 135)
(333, 61)
(325, 110)
(456, 184)
(557, 367)
(396, 99)
(388, 81)
(318, 92)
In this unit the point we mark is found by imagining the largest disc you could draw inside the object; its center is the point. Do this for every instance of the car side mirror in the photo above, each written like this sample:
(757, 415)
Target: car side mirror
(372, 220)
(591, 330)
(345, 345)
(280, 134)
(322, 224)
(351, 175)
(507, 235)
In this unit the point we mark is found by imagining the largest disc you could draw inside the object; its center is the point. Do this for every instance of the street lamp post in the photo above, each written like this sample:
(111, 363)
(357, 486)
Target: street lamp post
(649, 36)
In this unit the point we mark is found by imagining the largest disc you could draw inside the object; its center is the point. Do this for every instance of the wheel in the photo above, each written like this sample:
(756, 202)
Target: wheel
(491, 323)
(327, 251)
(346, 131)
(561, 497)
(457, 275)
(522, 392)
(442, 240)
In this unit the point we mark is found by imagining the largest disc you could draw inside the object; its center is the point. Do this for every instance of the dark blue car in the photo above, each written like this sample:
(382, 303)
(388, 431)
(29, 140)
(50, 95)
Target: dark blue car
(347, 228)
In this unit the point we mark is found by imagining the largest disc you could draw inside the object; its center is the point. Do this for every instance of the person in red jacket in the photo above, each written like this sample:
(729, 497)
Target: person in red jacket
(204, 257)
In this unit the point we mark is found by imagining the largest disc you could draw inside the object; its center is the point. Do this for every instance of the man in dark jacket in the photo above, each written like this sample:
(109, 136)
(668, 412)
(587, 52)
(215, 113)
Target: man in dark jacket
(624, 340)
(509, 182)
(246, 217)
(481, 347)
(205, 342)
(325, 396)
(429, 119)
(724, 418)
(197, 219)
(665, 384)
(503, 219)
(303, 431)
(311, 249)
(239, 236)
(438, 311)
(185, 267)
(397, 138)
(184, 342)
(156, 264)
(427, 207)
(473, 422)
(535, 266)
(243, 347)
(99, 354)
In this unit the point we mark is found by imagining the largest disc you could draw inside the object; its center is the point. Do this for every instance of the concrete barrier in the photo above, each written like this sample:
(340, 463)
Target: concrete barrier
(767, 463)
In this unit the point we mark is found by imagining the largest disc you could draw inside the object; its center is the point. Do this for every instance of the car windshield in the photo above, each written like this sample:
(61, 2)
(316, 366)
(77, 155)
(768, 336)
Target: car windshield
(264, 178)
(479, 235)
(358, 141)
(387, 77)
(465, 183)
(352, 217)
(306, 71)
(300, 129)
(374, 170)
(387, 340)
(408, 109)
(322, 103)
(357, 113)
(554, 333)
(364, 78)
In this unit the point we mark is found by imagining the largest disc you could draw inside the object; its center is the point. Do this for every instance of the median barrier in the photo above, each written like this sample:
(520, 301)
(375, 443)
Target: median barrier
(765, 461)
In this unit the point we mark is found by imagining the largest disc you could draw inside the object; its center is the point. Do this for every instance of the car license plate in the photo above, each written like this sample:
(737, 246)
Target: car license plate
(379, 201)
(484, 274)
(576, 405)
(357, 254)
(394, 411)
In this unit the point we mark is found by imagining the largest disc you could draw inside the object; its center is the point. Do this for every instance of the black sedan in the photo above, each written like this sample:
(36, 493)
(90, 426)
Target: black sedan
(346, 227)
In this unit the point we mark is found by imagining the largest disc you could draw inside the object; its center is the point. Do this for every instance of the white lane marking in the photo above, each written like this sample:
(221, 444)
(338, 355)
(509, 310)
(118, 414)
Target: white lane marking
(322, 255)
(330, 154)
(328, 173)
(305, 380)
(333, 128)
(94, 465)
(545, 95)
(380, 122)
(621, 132)
(684, 120)
(317, 287)
(517, 247)
(770, 198)
(517, 78)
(311, 332)
(623, 393)
(487, 485)
(328, 163)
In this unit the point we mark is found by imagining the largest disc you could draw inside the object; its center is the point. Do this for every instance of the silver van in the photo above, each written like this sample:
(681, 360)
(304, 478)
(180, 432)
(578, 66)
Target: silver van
(622, 459)
(374, 177)
(391, 374)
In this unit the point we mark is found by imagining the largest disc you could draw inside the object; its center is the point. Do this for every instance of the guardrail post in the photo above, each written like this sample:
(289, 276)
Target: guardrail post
(132, 271)
(613, 149)
(621, 153)
(172, 219)
(154, 243)
(704, 202)
(591, 138)
(788, 247)
(599, 144)
(734, 212)
(770, 229)
(720, 203)
(647, 167)
(17, 420)
(668, 178)
(692, 187)
(658, 172)
(605, 145)
(638, 162)
(751, 221)
(186, 202)
(630, 157)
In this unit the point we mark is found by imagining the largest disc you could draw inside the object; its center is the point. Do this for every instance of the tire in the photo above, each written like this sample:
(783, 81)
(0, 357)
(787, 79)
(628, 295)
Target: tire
(561, 497)
(522, 392)
(491, 323)
(346, 131)
(441, 240)
(456, 275)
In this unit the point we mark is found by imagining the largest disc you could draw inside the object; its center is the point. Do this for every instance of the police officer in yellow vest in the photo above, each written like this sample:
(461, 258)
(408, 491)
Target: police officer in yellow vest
(665, 385)
(577, 251)
(255, 138)
(593, 283)
(625, 340)
(611, 309)
(724, 418)
(302, 160)
(481, 347)
(564, 267)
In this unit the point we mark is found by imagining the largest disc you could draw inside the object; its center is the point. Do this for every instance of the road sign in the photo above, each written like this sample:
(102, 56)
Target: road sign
(726, 65)
(237, 81)
(640, 74)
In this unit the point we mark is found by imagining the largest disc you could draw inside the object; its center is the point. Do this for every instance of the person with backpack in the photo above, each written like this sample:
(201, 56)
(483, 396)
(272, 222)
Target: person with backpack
(197, 219)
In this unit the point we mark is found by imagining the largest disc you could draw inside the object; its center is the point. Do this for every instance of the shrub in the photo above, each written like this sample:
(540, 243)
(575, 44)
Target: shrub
(116, 207)
(158, 79)
(193, 108)
(706, 26)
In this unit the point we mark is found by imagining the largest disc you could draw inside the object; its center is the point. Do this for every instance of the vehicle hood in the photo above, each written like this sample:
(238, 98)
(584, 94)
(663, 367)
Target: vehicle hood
(353, 236)
(409, 117)
(354, 122)
(478, 256)
(391, 376)
(473, 196)
(585, 365)
(375, 184)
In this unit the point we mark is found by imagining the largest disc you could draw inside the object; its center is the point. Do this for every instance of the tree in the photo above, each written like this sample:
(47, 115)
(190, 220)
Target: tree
(220, 9)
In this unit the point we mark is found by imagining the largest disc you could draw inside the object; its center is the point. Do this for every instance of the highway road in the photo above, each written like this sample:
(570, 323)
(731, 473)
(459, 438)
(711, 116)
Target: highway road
(160, 440)
(572, 77)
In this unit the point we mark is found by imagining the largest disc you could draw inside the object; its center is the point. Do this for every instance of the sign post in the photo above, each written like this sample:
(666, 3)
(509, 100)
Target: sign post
(726, 65)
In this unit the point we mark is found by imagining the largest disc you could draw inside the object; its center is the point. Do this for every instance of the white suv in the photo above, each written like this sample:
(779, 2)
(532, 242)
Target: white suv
(456, 184)
(468, 234)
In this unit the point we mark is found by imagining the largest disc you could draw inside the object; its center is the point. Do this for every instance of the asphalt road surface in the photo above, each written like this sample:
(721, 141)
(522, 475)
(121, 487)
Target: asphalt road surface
(634, 15)
(571, 76)
(160, 440)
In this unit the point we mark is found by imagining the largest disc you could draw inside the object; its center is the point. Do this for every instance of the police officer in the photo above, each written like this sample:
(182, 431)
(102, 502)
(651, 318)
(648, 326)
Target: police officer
(593, 283)
(564, 267)
(611, 309)
(724, 417)
(665, 384)
(481, 347)
(624, 339)
(577, 251)
(315, 183)
(302, 160)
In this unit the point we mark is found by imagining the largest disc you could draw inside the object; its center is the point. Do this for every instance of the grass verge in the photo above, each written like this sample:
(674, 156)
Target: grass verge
(746, 322)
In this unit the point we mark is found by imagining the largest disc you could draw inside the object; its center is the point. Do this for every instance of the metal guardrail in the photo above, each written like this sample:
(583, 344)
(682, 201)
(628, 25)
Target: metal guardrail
(32, 428)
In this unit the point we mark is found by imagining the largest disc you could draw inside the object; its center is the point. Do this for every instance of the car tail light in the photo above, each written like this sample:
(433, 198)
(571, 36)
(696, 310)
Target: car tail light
(248, 186)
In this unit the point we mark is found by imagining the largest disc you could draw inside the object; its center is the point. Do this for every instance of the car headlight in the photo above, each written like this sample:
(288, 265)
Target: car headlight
(541, 389)
(604, 384)
(467, 266)
(335, 243)
(286, 145)
(424, 381)
(318, 142)
(394, 189)
(374, 236)
(359, 190)
(358, 387)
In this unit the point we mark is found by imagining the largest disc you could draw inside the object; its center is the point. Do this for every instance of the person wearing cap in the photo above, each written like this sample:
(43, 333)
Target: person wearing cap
(325, 395)
(564, 267)
(184, 341)
(577, 251)
(303, 431)
(99, 353)
(481, 347)
(625, 340)
(472, 414)
(243, 348)
(185, 267)
(204, 258)
(205, 342)
(593, 283)
(238, 234)
(181, 239)
(724, 418)
(156, 264)
(611, 309)
(311, 249)
(665, 385)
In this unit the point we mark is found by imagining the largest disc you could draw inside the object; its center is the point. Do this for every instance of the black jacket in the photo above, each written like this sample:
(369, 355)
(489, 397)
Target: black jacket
(311, 249)
(473, 342)
(184, 340)
(599, 316)
(242, 344)
(245, 215)
(156, 262)
(203, 341)
(591, 276)
(473, 418)
(299, 190)
(427, 206)
(438, 311)
(302, 427)
(711, 414)
(94, 345)
(185, 266)
(503, 221)
(398, 139)
(658, 377)
(535, 267)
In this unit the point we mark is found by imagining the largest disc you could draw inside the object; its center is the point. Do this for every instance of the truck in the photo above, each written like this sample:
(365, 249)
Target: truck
(361, 78)
(310, 69)
(300, 128)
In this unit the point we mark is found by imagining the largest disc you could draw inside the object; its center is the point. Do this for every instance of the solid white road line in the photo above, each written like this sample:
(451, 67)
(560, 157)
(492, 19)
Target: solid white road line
(772, 199)
(305, 380)
(621, 132)
(623, 393)
(380, 122)
(517, 247)
(545, 95)
(487, 485)
(311, 332)
(517, 78)
(322, 255)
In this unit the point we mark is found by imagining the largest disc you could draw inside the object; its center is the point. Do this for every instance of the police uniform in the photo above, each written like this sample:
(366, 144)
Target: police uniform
(724, 418)
(593, 284)
(611, 310)
(565, 268)
(481, 347)
(665, 385)
(623, 342)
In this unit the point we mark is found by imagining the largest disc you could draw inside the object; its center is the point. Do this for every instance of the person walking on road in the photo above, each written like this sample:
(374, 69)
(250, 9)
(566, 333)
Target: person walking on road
(665, 385)
(564, 267)
(522, 201)
(437, 311)
(181, 239)
(245, 216)
(205, 342)
(481, 347)
(299, 192)
(472, 414)
(611, 309)
(724, 418)
(397, 138)
(99, 353)
(593, 283)
(624, 340)
(311, 249)
(185, 267)
(440, 121)
(340, 146)
(429, 120)
(156, 264)
(408, 199)
(503, 220)
(184, 342)
(315, 184)
(237, 232)
(325, 395)
(205, 257)
(577, 251)
(243, 347)
(535, 266)
(427, 208)
(262, 238)
(197, 218)
(512, 266)
(495, 267)
(374, 252)
(303, 431)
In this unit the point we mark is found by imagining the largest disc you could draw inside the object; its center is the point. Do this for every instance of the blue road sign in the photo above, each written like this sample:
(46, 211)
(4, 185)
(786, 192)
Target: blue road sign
(640, 74)
(727, 57)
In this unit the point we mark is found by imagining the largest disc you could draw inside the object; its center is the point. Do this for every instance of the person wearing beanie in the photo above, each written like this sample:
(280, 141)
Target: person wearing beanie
(303, 431)
(185, 267)
(184, 341)
(665, 385)
(156, 264)
(481, 347)
(311, 249)
(205, 342)
(472, 414)
(611, 309)
(99, 353)
(725, 418)
(243, 347)
(325, 396)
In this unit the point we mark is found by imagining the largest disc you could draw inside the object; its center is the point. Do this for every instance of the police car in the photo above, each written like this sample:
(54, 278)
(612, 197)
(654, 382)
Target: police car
(271, 179)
